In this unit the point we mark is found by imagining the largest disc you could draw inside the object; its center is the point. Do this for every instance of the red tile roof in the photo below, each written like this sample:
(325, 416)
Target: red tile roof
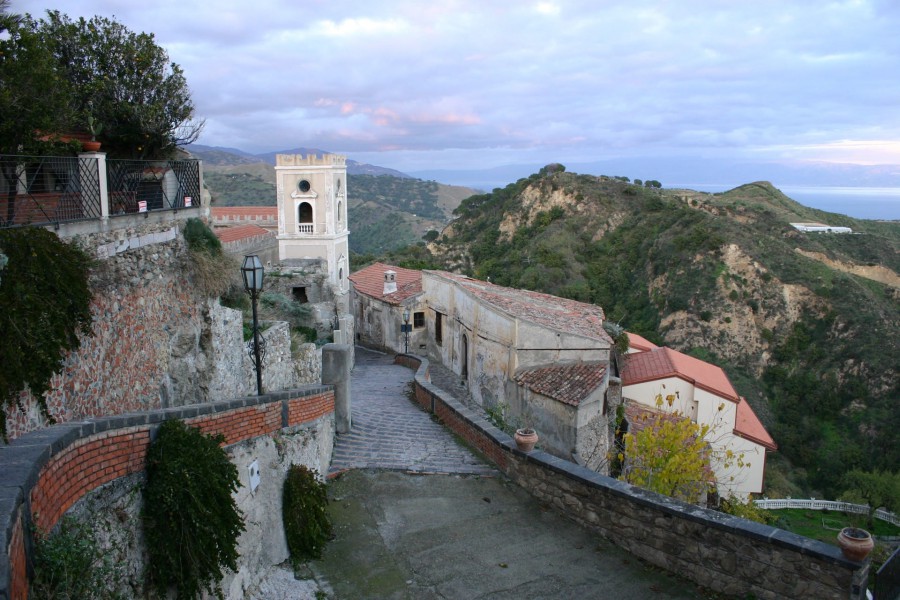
(569, 384)
(748, 426)
(242, 212)
(665, 362)
(558, 314)
(241, 232)
(639, 343)
(370, 281)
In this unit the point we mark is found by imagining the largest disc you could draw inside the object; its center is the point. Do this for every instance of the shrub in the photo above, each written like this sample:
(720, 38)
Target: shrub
(69, 565)
(307, 525)
(214, 272)
(191, 522)
(200, 238)
(44, 307)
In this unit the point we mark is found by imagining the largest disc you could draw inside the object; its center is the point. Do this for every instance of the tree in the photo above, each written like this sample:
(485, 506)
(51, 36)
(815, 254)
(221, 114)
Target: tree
(125, 81)
(33, 97)
(669, 456)
(44, 312)
(672, 455)
(876, 488)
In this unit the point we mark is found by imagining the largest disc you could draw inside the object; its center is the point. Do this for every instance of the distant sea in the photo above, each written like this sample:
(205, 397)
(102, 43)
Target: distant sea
(858, 202)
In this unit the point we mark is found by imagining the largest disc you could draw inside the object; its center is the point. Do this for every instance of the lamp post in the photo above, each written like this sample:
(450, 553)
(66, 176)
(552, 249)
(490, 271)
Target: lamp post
(406, 329)
(252, 271)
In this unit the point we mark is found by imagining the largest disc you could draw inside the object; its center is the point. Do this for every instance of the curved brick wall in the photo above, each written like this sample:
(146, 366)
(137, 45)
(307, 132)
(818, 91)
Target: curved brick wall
(724, 553)
(46, 472)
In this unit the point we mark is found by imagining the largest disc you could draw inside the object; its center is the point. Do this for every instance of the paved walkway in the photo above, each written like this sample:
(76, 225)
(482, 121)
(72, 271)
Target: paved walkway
(455, 535)
(390, 431)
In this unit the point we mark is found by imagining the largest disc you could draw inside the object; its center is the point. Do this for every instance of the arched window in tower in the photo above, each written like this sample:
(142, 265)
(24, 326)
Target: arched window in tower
(340, 213)
(305, 218)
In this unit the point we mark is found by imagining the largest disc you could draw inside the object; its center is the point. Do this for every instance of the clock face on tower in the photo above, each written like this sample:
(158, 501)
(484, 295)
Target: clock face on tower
(303, 186)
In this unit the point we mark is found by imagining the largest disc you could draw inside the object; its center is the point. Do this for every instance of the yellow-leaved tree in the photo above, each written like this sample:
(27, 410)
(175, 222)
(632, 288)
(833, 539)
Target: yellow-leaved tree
(672, 455)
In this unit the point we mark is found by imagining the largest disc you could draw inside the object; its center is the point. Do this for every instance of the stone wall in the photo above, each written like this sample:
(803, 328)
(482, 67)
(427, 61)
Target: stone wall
(95, 469)
(156, 341)
(720, 552)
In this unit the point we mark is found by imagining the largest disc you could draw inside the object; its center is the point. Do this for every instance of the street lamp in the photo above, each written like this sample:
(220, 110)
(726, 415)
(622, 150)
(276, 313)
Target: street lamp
(406, 327)
(252, 271)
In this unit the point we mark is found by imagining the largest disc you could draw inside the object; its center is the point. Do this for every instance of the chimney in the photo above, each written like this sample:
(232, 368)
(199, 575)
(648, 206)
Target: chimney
(390, 282)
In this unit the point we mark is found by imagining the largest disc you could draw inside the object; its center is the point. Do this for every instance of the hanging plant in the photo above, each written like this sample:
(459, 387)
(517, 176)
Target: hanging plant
(307, 525)
(191, 521)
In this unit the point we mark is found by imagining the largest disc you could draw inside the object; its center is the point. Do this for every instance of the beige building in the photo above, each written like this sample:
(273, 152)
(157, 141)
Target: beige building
(312, 214)
(543, 360)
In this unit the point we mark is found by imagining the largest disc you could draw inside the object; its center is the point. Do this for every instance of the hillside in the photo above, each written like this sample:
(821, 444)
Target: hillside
(385, 211)
(806, 324)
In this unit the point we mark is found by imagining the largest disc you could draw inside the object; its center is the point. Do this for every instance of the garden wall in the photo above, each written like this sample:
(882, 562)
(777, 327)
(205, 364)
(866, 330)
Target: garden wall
(48, 472)
(718, 551)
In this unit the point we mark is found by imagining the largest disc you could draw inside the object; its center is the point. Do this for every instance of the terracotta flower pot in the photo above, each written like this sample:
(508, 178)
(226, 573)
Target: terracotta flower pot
(855, 543)
(90, 146)
(526, 439)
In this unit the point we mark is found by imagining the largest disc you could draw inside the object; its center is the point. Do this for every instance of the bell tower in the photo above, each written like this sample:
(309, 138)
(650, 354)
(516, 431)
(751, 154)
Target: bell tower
(312, 212)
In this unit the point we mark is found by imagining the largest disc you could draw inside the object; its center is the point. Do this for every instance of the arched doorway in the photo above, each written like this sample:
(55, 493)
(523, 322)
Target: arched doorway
(464, 357)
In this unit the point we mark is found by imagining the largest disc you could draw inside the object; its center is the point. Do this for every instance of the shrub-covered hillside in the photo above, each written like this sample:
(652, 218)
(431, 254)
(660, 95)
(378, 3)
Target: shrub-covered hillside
(806, 324)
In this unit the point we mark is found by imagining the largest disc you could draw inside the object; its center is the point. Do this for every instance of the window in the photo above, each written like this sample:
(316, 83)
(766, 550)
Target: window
(305, 213)
(418, 320)
(438, 328)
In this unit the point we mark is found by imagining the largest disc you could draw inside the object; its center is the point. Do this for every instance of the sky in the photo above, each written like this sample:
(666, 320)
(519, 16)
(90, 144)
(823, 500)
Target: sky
(415, 85)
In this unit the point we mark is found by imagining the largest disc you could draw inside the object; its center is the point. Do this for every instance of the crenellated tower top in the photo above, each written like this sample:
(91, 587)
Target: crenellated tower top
(310, 160)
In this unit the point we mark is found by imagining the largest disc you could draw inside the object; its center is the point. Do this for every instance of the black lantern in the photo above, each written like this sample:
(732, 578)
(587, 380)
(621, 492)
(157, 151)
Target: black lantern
(252, 271)
(406, 327)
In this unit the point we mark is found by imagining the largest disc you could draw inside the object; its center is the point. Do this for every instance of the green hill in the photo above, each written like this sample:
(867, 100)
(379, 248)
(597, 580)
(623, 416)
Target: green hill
(806, 324)
(385, 212)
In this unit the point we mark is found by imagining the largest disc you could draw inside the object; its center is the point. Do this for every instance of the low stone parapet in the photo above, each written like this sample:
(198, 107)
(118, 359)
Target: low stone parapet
(727, 554)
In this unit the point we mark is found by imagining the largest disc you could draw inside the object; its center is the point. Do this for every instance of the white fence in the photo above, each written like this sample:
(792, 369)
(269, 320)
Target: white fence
(814, 504)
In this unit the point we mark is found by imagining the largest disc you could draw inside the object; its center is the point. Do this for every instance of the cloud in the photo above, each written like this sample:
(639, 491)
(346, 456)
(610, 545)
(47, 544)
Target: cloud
(538, 80)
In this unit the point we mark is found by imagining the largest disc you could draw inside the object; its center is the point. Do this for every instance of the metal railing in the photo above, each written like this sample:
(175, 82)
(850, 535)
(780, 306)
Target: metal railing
(141, 186)
(48, 190)
(814, 504)
(43, 190)
(887, 580)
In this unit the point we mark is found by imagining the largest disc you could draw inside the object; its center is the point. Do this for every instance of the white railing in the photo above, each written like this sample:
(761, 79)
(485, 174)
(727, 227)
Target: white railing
(814, 504)
(305, 228)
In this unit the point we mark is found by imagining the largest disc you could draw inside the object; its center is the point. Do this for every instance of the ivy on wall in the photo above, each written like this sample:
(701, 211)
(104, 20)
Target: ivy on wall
(44, 306)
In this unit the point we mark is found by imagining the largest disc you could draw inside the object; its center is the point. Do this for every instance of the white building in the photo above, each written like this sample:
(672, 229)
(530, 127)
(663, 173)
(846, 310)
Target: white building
(703, 393)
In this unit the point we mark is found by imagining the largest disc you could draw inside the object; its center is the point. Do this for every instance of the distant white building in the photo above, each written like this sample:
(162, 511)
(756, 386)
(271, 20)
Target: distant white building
(820, 228)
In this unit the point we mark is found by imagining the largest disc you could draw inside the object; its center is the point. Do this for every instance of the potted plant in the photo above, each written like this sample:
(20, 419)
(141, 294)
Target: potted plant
(95, 128)
(855, 543)
(526, 438)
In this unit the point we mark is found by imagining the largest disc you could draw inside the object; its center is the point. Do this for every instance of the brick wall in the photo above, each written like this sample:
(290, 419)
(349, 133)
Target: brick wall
(724, 553)
(57, 466)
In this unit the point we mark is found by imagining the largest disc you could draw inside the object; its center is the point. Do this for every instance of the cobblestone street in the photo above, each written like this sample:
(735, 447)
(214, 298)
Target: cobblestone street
(390, 431)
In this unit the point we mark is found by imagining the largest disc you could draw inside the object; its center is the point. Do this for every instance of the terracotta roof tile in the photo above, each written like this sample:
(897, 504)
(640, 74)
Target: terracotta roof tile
(224, 212)
(665, 362)
(370, 281)
(639, 343)
(569, 384)
(747, 425)
(241, 232)
(558, 314)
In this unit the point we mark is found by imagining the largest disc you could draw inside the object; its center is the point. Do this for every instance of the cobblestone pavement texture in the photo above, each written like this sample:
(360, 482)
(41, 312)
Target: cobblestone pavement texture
(390, 431)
